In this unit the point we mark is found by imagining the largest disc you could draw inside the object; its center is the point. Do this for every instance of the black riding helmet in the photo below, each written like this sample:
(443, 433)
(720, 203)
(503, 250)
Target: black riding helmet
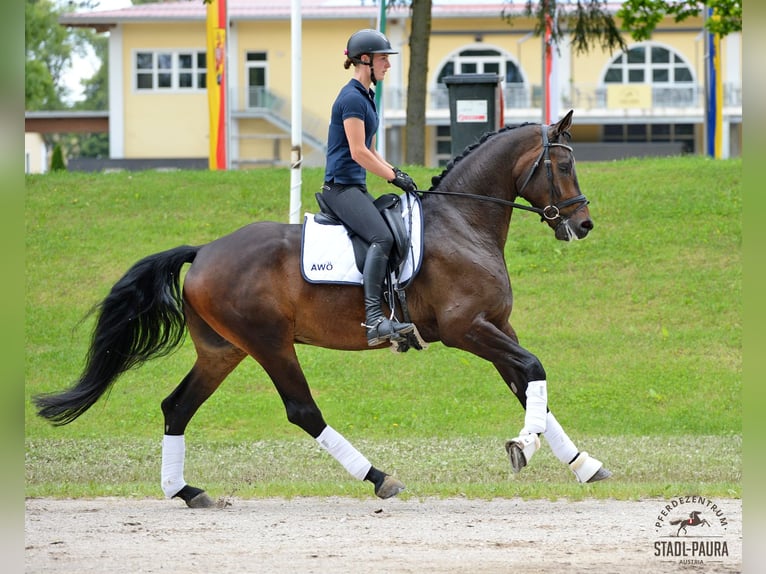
(368, 42)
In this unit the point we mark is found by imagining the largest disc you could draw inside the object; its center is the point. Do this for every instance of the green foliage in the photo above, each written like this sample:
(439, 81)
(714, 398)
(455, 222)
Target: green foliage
(592, 22)
(48, 50)
(639, 328)
(57, 159)
(641, 17)
(589, 22)
(96, 88)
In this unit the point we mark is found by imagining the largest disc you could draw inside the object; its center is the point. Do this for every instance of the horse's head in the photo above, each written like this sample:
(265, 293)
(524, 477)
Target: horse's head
(547, 179)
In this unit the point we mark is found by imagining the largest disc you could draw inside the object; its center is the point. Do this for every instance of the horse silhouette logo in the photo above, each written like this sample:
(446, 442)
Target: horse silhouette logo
(693, 520)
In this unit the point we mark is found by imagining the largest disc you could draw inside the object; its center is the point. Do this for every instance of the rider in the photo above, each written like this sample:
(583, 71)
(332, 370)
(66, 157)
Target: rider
(351, 153)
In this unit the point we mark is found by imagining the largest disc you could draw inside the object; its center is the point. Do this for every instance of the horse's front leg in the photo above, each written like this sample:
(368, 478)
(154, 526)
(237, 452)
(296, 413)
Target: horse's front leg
(524, 374)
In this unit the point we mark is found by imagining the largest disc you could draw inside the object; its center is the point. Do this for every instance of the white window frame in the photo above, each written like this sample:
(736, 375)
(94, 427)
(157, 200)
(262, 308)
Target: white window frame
(676, 130)
(252, 98)
(171, 68)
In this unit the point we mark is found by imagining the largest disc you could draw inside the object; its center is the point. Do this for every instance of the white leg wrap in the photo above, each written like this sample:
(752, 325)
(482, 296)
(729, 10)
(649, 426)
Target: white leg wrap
(537, 406)
(173, 452)
(351, 459)
(585, 466)
(561, 445)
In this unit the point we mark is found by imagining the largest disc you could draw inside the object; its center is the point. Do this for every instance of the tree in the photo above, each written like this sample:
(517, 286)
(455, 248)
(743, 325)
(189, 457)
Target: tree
(57, 160)
(640, 17)
(96, 91)
(48, 48)
(590, 22)
(417, 83)
(49, 51)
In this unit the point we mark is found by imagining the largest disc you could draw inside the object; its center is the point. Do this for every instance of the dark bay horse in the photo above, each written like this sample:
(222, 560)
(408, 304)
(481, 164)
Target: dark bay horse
(244, 295)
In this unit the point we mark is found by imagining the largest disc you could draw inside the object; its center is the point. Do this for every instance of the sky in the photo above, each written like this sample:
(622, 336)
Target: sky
(83, 68)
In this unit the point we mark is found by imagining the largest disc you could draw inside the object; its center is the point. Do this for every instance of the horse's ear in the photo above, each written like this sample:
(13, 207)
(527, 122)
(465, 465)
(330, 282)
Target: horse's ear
(562, 126)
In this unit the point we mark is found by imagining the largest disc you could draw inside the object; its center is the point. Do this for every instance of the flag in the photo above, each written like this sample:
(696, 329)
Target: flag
(216, 82)
(714, 96)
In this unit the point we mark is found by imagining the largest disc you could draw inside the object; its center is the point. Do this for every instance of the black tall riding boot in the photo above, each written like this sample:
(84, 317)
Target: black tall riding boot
(379, 327)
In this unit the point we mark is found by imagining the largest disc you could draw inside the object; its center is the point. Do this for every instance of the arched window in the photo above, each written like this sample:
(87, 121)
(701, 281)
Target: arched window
(480, 59)
(475, 59)
(669, 75)
(672, 85)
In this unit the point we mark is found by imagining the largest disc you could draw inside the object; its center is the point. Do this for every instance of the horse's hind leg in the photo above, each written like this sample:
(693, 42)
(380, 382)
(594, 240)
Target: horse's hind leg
(216, 358)
(283, 368)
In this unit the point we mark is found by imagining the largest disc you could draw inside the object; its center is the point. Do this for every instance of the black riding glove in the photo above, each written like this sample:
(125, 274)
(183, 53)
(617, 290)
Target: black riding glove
(403, 180)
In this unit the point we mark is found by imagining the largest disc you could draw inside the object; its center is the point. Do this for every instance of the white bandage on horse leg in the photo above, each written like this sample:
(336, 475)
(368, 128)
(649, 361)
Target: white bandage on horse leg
(351, 459)
(561, 445)
(585, 466)
(173, 452)
(537, 407)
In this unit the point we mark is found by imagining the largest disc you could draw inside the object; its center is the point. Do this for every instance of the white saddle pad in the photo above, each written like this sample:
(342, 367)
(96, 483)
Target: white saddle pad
(327, 255)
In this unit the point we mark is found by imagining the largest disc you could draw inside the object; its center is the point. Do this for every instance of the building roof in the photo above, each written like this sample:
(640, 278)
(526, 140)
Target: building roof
(243, 10)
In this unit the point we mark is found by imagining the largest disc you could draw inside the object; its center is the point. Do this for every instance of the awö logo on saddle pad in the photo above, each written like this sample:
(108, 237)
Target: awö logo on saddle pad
(692, 531)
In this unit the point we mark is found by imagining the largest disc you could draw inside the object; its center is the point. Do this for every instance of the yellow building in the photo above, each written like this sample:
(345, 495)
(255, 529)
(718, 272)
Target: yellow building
(650, 99)
(35, 153)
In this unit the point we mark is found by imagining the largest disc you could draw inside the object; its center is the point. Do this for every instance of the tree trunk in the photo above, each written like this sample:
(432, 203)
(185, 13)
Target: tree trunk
(417, 81)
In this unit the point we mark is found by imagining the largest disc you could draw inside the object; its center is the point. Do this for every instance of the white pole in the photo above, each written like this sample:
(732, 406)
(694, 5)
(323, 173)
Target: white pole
(296, 153)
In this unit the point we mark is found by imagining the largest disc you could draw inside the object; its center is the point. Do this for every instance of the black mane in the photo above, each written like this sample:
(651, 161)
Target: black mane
(435, 180)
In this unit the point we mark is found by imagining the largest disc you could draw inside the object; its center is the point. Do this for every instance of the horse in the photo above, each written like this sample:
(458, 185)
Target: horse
(693, 520)
(243, 294)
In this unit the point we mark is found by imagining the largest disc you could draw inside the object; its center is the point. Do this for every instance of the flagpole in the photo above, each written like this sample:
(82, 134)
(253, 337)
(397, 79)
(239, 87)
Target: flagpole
(296, 152)
(713, 91)
(217, 85)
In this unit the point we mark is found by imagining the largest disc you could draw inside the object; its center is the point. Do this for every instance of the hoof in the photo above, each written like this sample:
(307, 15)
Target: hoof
(390, 487)
(202, 500)
(521, 449)
(588, 469)
(195, 497)
(601, 474)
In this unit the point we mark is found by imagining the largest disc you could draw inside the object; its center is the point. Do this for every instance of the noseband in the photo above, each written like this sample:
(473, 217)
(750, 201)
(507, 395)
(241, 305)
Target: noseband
(551, 211)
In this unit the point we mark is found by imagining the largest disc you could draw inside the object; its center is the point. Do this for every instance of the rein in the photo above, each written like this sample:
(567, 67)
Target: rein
(552, 210)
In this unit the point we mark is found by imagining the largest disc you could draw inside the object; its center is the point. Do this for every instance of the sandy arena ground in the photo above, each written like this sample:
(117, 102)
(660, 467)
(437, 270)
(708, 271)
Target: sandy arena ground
(323, 535)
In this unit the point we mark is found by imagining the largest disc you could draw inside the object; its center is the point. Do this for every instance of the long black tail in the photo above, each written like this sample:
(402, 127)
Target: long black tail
(141, 318)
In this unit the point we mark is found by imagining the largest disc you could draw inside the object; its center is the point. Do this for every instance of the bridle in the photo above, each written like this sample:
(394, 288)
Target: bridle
(551, 211)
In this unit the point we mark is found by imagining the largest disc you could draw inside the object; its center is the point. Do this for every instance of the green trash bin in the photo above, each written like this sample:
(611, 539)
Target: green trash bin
(475, 107)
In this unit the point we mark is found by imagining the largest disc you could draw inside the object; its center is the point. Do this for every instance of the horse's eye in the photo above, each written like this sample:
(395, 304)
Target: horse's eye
(565, 167)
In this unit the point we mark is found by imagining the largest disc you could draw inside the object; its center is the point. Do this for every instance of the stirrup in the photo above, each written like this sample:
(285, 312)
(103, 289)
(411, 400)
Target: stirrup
(521, 449)
(394, 332)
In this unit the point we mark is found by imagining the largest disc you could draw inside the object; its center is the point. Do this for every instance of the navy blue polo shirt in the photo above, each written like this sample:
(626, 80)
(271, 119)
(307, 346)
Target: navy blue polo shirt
(353, 101)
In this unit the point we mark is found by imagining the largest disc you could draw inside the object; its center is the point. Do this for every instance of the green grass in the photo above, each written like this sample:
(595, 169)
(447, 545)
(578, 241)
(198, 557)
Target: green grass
(639, 328)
